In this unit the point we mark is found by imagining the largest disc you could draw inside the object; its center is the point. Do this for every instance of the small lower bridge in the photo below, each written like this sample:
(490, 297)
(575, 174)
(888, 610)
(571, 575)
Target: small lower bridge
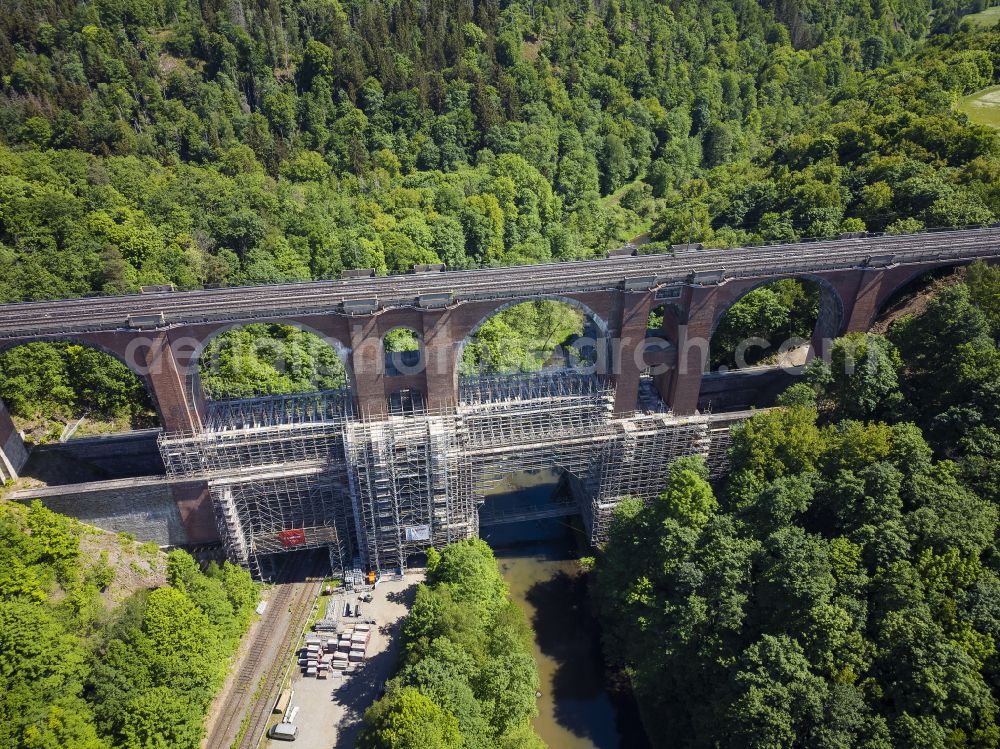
(546, 511)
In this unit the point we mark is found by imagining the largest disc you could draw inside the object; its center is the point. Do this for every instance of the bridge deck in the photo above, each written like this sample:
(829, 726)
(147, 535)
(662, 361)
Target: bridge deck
(315, 297)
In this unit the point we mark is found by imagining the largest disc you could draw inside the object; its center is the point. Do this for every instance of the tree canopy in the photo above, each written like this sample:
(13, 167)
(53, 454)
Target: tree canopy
(76, 669)
(466, 677)
(841, 587)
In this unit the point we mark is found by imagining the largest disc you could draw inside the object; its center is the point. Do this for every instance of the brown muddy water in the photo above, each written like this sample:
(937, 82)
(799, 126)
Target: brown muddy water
(578, 708)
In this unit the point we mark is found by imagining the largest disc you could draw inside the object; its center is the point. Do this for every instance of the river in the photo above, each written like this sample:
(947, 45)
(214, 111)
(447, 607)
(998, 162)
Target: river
(539, 560)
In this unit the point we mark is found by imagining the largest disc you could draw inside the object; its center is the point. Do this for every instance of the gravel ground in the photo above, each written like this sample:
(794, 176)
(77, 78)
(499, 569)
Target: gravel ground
(330, 710)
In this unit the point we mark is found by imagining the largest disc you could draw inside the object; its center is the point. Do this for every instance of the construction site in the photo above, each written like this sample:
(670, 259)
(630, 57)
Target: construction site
(307, 471)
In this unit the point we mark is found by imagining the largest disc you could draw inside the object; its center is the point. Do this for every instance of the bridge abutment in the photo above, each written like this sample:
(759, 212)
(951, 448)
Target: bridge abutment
(13, 453)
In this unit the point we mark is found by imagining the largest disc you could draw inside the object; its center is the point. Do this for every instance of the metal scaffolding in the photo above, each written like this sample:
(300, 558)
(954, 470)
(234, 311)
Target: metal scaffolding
(303, 471)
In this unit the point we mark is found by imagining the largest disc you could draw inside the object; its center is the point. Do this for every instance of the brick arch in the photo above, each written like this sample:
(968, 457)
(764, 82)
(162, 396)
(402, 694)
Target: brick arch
(832, 315)
(397, 365)
(116, 347)
(896, 280)
(878, 285)
(673, 316)
(587, 310)
(192, 369)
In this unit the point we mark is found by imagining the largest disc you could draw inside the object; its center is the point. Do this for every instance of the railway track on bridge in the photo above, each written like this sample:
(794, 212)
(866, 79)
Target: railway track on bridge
(316, 297)
(248, 707)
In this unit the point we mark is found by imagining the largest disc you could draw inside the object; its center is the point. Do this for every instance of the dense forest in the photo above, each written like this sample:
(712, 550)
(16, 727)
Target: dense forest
(466, 676)
(105, 643)
(842, 589)
(240, 142)
(245, 142)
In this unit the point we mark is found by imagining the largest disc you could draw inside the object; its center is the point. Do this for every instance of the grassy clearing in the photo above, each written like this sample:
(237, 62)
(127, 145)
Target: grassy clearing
(616, 197)
(983, 106)
(634, 225)
(986, 19)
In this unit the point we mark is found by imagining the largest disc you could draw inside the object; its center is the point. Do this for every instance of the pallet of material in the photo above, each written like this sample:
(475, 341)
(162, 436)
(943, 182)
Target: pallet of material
(362, 627)
(311, 671)
(356, 655)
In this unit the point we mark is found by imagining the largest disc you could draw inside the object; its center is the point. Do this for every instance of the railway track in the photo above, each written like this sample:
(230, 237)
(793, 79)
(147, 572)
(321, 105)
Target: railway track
(314, 297)
(253, 694)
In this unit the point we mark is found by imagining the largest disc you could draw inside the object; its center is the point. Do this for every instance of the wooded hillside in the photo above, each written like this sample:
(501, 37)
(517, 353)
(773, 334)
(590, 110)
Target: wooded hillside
(154, 142)
(105, 643)
(842, 589)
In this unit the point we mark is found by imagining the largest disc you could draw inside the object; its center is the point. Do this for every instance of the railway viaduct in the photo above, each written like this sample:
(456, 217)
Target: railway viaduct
(160, 335)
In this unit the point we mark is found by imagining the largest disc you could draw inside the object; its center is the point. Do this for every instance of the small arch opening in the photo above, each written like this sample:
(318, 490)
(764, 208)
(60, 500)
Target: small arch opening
(661, 327)
(403, 349)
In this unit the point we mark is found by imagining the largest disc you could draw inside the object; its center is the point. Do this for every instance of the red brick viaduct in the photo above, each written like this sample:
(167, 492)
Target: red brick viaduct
(160, 335)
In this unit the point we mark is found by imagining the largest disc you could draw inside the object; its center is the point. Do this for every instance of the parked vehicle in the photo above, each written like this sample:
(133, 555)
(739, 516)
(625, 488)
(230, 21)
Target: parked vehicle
(283, 732)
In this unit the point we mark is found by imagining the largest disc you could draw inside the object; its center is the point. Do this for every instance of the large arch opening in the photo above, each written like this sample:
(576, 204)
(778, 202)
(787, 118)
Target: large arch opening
(270, 359)
(58, 390)
(83, 412)
(912, 296)
(544, 335)
(764, 338)
(266, 374)
(770, 320)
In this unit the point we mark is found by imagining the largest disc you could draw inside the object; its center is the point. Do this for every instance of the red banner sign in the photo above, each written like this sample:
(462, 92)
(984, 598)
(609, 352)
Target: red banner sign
(294, 537)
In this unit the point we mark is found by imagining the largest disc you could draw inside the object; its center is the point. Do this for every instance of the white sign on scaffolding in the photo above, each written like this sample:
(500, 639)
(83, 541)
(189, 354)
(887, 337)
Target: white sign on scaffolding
(418, 533)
